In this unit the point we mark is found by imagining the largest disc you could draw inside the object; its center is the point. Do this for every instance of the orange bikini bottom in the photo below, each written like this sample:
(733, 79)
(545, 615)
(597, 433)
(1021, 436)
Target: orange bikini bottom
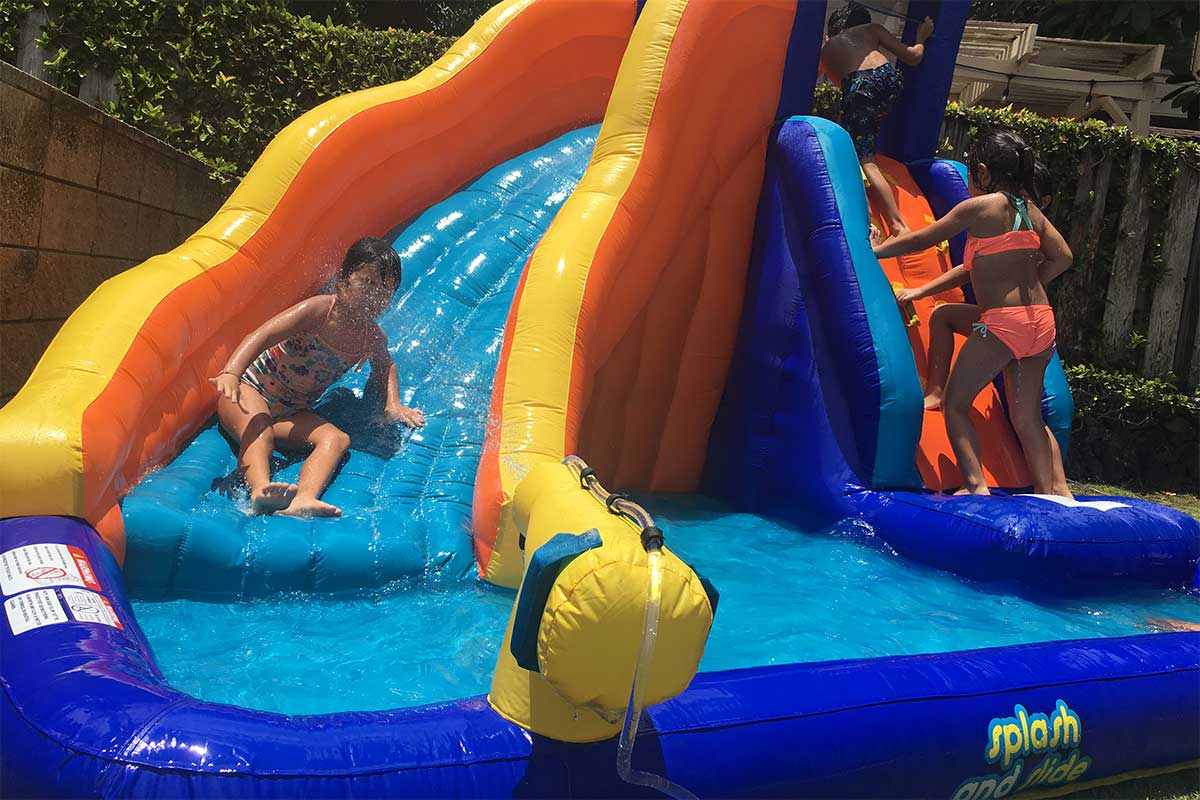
(1025, 330)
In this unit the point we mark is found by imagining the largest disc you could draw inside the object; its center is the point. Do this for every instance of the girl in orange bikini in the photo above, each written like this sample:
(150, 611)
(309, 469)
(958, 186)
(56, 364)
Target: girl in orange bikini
(273, 379)
(948, 318)
(1012, 252)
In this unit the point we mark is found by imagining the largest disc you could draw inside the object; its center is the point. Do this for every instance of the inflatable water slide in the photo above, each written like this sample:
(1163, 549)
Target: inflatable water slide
(630, 261)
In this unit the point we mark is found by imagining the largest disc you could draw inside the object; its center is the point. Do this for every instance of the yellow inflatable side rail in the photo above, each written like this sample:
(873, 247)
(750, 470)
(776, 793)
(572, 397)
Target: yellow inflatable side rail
(125, 382)
(571, 647)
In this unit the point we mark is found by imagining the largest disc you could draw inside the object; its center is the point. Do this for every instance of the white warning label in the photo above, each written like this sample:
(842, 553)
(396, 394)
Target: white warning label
(36, 566)
(88, 606)
(33, 610)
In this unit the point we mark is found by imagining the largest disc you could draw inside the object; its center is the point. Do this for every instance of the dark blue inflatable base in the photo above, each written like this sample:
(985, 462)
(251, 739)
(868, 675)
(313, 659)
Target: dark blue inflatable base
(86, 713)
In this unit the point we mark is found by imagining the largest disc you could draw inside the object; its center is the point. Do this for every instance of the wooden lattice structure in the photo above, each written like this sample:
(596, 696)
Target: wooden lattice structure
(1007, 62)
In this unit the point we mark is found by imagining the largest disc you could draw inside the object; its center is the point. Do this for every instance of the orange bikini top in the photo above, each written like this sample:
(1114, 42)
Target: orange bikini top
(1016, 239)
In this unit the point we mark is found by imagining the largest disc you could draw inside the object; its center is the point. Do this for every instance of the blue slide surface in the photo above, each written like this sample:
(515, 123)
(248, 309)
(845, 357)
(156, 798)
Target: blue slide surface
(405, 496)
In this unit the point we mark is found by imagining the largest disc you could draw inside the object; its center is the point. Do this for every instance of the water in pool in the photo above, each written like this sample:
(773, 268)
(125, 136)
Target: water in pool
(786, 596)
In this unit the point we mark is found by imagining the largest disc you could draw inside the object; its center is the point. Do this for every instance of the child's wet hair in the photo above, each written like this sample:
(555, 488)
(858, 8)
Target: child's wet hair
(847, 17)
(372, 251)
(1045, 184)
(1010, 161)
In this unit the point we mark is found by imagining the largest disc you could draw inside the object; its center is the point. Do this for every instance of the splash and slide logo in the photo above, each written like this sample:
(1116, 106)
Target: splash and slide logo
(1011, 740)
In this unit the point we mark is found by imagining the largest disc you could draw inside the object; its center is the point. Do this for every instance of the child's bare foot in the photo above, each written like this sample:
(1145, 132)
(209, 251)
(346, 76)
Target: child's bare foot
(980, 490)
(1053, 490)
(1168, 625)
(310, 507)
(271, 497)
(933, 401)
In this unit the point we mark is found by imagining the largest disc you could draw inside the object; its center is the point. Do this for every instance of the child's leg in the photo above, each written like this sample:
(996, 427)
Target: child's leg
(883, 195)
(250, 423)
(1023, 385)
(1058, 484)
(945, 321)
(980, 360)
(328, 443)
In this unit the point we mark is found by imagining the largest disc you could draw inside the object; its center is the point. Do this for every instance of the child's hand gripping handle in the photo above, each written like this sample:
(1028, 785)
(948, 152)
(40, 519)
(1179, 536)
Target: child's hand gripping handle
(924, 30)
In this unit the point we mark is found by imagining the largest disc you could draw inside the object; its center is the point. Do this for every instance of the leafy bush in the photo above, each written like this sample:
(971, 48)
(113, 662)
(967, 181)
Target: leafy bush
(827, 101)
(1133, 431)
(220, 79)
(11, 14)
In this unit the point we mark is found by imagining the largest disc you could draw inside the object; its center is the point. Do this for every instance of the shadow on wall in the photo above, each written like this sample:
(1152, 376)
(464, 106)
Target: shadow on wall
(84, 197)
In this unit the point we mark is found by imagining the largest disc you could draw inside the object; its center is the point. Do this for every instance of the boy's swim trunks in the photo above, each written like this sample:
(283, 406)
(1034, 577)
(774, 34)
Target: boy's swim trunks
(869, 95)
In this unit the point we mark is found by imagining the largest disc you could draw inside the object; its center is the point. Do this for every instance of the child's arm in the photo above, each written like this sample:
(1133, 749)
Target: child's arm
(950, 279)
(1056, 253)
(383, 368)
(303, 316)
(945, 228)
(908, 55)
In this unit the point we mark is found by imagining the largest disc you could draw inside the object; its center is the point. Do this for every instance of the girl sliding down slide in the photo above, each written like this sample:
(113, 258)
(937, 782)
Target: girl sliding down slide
(290, 360)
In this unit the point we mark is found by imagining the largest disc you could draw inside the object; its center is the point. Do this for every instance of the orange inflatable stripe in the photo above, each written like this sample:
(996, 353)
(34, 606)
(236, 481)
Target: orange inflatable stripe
(711, 336)
(660, 309)
(622, 337)
(1003, 461)
(549, 72)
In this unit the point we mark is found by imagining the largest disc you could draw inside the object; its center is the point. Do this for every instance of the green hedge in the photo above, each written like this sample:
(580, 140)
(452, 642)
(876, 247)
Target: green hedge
(1133, 431)
(219, 79)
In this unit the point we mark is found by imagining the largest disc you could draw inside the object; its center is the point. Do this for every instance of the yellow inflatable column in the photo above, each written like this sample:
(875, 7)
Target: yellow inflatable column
(578, 620)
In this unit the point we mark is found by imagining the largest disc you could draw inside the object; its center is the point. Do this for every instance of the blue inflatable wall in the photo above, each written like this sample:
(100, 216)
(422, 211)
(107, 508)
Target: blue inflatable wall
(86, 713)
(822, 358)
(912, 132)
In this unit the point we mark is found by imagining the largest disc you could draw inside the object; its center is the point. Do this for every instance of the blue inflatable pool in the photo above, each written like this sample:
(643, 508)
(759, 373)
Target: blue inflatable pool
(85, 702)
(819, 427)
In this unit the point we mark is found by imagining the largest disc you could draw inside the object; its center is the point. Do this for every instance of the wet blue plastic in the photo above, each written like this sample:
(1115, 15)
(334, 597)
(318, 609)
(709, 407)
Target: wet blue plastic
(793, 432)
(803, 58)
(314, 654)
(406, 498)
(86, 713)
(847, 596)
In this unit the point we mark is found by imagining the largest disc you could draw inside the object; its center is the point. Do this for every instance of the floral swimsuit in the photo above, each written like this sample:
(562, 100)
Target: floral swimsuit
(291, 375)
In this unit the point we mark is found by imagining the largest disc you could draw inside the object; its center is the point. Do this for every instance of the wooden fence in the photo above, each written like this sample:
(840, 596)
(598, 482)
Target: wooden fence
(1131, 300)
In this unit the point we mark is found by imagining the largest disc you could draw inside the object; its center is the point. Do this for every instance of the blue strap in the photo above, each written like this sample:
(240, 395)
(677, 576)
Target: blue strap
(544, 568)
(1022, 211)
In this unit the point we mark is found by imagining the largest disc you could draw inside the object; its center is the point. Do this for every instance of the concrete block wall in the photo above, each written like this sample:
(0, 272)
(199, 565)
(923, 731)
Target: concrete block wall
(83, 196)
